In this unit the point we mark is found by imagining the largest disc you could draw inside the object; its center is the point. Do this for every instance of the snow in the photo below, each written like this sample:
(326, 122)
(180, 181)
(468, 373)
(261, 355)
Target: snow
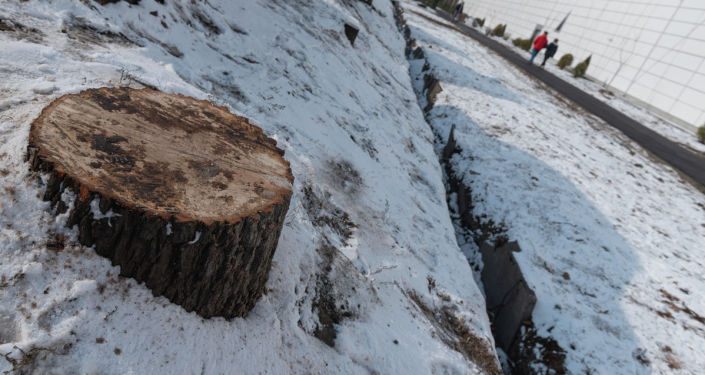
(196, 237)
(98, 215)
(368, 225)
(612, 239)
(44, 88)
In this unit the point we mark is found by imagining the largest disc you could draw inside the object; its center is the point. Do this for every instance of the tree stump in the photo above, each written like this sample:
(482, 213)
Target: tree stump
(182, 195)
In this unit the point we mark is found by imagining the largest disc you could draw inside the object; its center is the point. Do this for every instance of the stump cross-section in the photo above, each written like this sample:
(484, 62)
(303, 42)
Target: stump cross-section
(182, 195)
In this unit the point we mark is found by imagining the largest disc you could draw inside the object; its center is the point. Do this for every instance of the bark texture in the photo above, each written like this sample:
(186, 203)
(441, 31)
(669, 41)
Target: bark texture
(212, 255)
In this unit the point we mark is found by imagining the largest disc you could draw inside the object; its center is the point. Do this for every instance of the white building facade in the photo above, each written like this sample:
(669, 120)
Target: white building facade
(654, 50)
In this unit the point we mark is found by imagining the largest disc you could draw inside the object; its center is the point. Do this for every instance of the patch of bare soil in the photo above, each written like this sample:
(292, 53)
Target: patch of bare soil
(169, 48)
(338, 289)
(323, 212)
(205, 20)
(606, 93)
(330, 311)
(82, 31)
(36, 360)
(670, 357)
(482, 228)
(531, 352)
(20, 32)
(344, 177)
(457, 335)
(226, 89)
(676, 305)
(337, 293)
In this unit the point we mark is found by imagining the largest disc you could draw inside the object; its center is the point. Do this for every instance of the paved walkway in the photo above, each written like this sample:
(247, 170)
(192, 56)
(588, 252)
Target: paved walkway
(689, 163)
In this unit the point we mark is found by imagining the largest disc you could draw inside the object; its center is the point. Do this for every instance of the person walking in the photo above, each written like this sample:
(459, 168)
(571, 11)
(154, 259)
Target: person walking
(551, 50)
(458, 10)
(539, 43)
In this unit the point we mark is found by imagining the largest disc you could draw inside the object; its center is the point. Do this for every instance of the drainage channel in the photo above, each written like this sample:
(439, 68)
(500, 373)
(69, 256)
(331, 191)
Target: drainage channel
(509, 299)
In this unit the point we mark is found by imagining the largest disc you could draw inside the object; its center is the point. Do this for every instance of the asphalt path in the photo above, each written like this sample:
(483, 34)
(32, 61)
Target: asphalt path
(684, 160)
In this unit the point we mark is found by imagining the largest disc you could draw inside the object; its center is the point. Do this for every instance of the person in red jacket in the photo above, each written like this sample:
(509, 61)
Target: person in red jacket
(539, 43)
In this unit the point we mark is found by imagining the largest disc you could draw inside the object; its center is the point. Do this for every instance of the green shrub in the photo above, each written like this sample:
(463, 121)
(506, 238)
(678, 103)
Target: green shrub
(701, 134)
(447, 6)
(435, 3)
(524, 44)
(580, 69)
(499, 30)
(478, 22)
(565, 61)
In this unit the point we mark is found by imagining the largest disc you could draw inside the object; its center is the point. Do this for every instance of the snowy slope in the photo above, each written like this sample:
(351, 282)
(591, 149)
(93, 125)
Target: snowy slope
(612, 241)
(367, 278)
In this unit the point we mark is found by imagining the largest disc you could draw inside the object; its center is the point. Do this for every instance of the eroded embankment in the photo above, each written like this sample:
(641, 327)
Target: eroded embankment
(509, 299)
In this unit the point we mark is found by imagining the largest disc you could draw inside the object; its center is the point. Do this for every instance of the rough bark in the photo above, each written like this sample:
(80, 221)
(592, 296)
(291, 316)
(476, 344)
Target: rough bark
(210, 255)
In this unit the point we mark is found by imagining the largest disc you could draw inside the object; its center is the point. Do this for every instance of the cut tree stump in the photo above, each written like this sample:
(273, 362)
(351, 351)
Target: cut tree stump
(182, 195)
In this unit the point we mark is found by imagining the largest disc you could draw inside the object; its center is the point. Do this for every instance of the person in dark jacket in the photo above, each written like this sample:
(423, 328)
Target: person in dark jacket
(539, 43)
(458, 10)
(551, 50)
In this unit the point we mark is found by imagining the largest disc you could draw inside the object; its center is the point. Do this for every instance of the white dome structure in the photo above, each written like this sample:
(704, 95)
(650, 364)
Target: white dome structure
(653, 50)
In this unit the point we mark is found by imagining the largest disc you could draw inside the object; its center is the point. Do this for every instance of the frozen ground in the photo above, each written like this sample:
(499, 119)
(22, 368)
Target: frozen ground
(612, 240)
(679, 133)
(367, 278)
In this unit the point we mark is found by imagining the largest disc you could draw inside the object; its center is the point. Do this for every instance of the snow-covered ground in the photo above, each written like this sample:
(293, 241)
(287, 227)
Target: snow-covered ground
(676, 132)
(613, 241)
(367, 244)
